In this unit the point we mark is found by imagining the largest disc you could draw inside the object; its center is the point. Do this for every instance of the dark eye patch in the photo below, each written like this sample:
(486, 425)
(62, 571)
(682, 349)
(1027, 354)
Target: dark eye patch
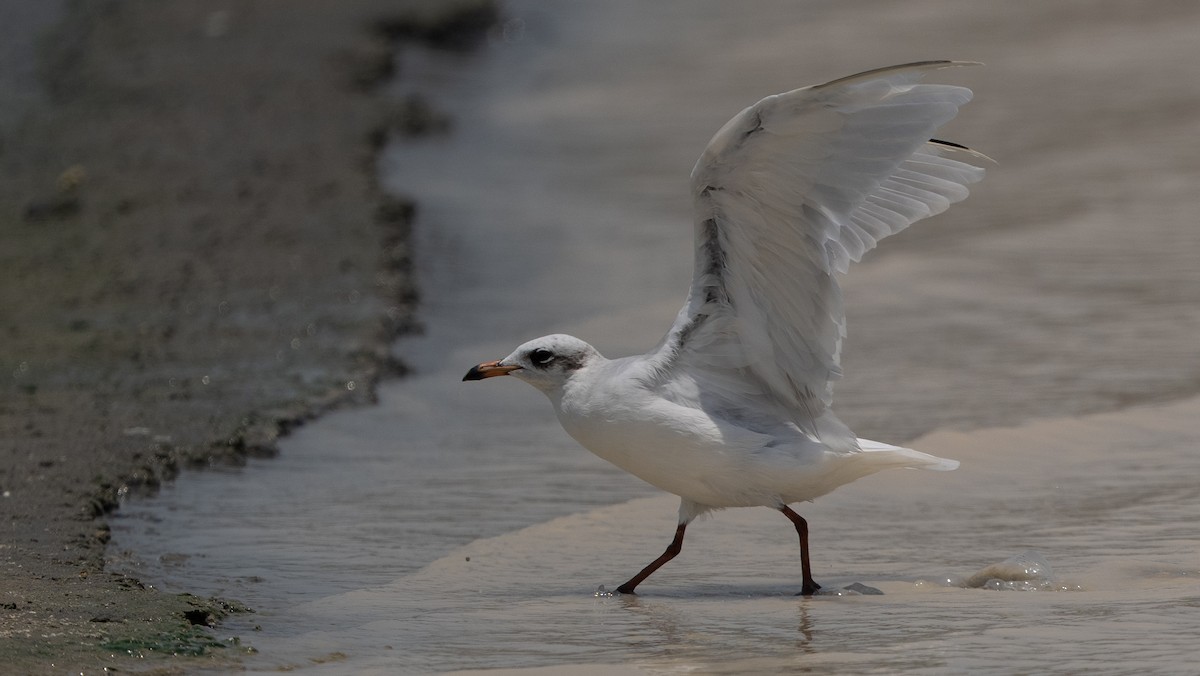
(541, 357)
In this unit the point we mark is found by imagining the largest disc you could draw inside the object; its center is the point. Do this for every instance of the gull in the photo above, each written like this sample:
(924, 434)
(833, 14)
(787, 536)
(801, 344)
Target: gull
(732, 408)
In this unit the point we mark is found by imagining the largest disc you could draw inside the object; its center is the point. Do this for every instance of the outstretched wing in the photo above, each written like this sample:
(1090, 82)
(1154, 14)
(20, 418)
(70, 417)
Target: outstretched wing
(787, 193)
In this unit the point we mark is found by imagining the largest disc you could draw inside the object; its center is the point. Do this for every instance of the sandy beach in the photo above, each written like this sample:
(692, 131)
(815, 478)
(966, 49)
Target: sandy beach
(194, 259)
(724, 606)
(1064, 286)
(189, 268)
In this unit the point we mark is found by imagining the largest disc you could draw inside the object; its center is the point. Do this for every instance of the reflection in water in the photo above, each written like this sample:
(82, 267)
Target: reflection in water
(804, 641)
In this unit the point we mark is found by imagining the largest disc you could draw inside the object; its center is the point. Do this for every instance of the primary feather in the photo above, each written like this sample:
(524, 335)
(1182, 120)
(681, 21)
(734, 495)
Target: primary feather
(788, 193)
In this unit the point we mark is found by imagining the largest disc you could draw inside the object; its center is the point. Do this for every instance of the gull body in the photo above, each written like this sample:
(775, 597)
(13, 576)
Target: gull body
(732, 407)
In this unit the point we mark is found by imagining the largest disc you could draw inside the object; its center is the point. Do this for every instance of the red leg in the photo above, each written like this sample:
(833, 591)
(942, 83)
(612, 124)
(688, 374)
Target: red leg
(672, 549)
(809, 586)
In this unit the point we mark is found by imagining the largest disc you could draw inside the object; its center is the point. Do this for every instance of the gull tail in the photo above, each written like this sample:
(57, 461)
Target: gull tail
(896, 456)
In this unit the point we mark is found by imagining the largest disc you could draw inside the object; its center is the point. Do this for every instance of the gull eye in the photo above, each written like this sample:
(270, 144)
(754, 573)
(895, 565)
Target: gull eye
(541, 357)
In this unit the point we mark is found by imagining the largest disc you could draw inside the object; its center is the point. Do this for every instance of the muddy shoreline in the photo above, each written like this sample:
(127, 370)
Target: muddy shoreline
(194, 259)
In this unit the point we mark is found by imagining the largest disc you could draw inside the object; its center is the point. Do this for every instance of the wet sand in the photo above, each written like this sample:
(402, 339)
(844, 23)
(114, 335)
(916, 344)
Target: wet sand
(1045, 303)
(194, 258)
(1065, 285)
(1106, 502)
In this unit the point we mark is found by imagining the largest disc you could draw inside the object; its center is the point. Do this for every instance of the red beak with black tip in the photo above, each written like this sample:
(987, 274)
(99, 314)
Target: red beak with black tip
(489, 369)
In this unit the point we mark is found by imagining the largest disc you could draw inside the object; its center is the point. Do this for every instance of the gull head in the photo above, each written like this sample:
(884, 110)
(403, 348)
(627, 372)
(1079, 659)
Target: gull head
(546, 363)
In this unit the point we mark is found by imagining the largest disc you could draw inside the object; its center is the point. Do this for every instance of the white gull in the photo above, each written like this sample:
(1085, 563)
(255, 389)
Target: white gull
(732, 408)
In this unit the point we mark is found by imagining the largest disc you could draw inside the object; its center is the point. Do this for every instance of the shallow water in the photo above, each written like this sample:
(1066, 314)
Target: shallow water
(1069, 282)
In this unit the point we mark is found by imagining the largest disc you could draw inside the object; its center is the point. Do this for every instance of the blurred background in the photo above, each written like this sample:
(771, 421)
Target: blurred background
(192, 244)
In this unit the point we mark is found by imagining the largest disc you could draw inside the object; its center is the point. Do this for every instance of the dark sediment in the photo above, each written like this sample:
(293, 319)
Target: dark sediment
(194, 258)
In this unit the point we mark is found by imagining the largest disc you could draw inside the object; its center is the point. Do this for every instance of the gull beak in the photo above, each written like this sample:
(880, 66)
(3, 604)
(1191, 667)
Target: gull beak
(488, 369)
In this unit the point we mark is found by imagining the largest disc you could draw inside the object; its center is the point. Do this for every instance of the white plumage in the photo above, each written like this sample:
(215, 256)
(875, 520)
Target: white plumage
(732, 408)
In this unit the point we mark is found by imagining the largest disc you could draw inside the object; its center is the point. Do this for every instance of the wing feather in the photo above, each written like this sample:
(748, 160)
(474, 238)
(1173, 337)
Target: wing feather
(788, 193)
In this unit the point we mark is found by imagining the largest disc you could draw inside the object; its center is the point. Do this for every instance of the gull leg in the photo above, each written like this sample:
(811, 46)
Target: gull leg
(809, 586)
(672, 549)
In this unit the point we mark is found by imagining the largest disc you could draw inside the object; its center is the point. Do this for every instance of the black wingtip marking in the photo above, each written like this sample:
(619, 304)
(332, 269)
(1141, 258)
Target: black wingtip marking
(950, 144)
(959, 146)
